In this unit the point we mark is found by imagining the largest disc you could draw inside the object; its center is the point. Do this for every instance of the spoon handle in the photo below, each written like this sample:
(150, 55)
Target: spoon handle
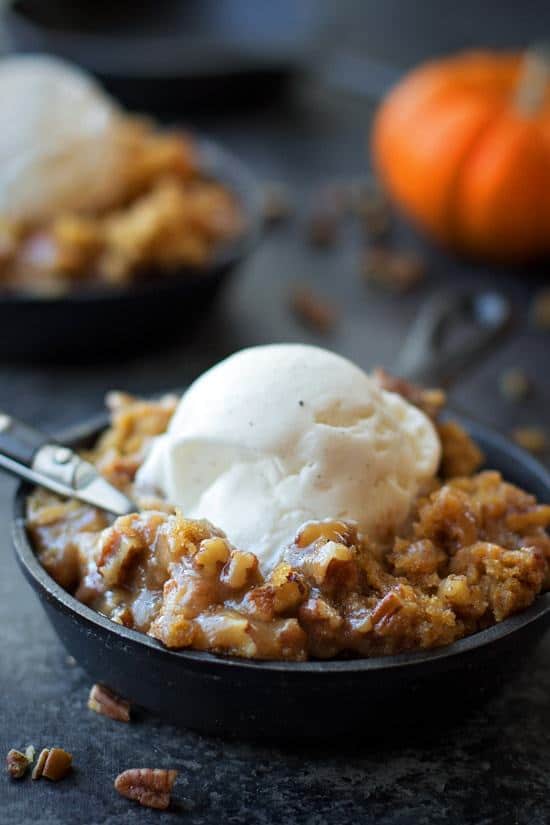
(19, 441)
(36, 457)
(454, 330)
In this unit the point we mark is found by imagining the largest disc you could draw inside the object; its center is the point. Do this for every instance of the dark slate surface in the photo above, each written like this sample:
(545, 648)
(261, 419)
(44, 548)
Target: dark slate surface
(492, 768)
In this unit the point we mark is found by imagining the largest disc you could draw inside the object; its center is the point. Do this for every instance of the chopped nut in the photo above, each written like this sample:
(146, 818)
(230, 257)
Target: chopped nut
(29, 753)
(324, 531)
(117, 554)
(540, 309)
(231, 635)
(276, 205)
(538, 516)
(530, 438)
(16, 764)
(514, 384)
(151, 787)
(312, 310)
(123, 615)
(397, 271)
(323, 228)
(431, 401)
(107, 703)
(40, 762)
(117, 400)
(329, 205)
(331, 560)
(212, 555)
(460, 455)
(372, 208)
(386, 607)
(57, 764)
(240, 570)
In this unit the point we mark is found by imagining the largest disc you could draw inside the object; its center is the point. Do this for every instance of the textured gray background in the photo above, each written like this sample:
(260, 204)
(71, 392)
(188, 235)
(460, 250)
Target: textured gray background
(490, 769)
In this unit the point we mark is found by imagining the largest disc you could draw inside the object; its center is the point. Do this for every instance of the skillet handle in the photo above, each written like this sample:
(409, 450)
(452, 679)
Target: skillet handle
(18, 441)
(476, 320)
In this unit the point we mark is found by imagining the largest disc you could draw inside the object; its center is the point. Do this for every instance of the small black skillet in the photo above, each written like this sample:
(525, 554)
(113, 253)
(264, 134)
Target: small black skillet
(94, 322)
(314, 700)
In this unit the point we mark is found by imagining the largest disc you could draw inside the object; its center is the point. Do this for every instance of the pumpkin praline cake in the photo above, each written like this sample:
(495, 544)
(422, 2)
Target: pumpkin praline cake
(294, 507)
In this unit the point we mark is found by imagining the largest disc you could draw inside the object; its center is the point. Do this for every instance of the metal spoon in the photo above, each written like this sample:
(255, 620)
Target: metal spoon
(428, 354)
(35, 456)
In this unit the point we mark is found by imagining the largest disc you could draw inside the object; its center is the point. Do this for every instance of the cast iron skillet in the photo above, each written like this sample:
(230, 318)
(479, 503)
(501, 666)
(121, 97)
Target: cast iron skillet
(96, 322)
(288, 700)
(315, 700)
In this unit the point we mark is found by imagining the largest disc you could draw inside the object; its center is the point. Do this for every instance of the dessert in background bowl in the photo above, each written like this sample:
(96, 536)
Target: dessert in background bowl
(90, 194)
(293, 507)
(107, 219)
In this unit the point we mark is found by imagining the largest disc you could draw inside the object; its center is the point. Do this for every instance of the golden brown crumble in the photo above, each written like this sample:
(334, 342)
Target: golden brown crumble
(165, 215)
(461, 455)
(474, 551)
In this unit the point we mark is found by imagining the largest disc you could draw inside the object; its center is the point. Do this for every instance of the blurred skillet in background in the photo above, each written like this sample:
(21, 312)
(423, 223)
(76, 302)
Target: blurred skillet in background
(95, 322)
(171, 54)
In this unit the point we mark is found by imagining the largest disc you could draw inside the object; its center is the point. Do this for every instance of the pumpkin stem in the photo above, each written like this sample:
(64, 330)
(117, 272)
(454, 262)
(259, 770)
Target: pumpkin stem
(534, 79)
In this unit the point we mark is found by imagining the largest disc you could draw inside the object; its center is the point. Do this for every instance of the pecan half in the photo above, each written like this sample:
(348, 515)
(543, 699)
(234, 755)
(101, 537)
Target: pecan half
(151, 787)
(16, 764)
(107, 703)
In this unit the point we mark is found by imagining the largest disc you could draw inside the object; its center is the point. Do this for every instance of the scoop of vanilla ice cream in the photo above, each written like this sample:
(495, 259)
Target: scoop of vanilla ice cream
(275, 436)
(58, 142)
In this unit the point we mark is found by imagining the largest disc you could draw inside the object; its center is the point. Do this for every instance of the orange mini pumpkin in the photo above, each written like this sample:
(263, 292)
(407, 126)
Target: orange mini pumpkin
(463, 145)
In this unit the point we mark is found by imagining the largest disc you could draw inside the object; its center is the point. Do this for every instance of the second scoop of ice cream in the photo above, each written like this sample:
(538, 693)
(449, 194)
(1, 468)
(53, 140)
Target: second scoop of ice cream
(278, 435)
(59, 144)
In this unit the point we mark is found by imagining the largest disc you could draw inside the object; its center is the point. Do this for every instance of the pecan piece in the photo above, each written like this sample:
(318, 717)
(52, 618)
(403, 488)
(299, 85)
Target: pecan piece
(386, 607)
(327, 212)
(16, 764)
(540, 310)
(312, 310)
(531, 438)
(514, 384)
(277, 206)
(151, 787)
(105, 702)
(40, 762)
(431, 401)
(373, 211)
(57, 764)
(397, 271)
